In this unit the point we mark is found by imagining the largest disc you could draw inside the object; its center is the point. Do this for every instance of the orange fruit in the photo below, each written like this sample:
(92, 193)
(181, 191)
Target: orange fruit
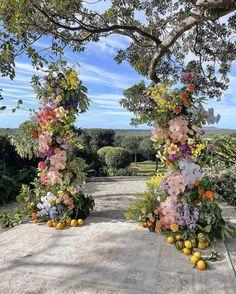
(80, 222)
(187, 251)
(60, 226)
(198, 254)
(201, 245)
(180, 244)
(188, 244)
(54, 223)
(74, 223)
(170, 240)
(68, 221)
(201, 265)
(194, 259)
(36, 221)
(50, 223)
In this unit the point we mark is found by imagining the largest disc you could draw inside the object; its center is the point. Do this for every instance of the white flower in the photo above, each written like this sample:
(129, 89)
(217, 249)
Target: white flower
(210, 117)
(190, 171)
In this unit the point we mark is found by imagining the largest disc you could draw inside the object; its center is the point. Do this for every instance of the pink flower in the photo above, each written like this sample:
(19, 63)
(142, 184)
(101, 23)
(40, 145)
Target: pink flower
(42, 165)
(157, 132)
(176, 183)
(43, 179)
(54, 177)
(179, 129)
(58, 161)
(45, 140)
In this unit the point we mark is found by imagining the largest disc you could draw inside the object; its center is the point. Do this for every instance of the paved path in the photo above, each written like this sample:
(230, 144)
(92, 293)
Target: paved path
(106, 256)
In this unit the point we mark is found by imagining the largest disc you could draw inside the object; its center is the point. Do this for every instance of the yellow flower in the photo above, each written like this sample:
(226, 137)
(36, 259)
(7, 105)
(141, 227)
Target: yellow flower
(174, 227)
(155, 180)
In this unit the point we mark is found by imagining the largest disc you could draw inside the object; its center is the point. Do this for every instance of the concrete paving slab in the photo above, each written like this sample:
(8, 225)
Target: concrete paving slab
(107, 255)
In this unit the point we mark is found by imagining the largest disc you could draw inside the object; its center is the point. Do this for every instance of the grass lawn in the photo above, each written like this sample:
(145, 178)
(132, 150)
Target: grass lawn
(143, 168)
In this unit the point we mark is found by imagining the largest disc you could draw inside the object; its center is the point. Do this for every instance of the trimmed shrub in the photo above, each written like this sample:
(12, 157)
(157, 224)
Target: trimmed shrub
(103, 151)
(118, 158)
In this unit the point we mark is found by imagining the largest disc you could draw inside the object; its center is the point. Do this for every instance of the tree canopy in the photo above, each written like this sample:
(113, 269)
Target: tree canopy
(162, 34)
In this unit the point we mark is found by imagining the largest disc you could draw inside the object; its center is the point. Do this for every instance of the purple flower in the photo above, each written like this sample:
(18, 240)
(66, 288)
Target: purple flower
(165, 97)
(173, 157)
(50, 152)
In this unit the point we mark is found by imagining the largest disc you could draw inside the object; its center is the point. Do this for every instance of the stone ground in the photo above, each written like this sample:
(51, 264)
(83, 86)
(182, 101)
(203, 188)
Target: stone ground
(107, 255)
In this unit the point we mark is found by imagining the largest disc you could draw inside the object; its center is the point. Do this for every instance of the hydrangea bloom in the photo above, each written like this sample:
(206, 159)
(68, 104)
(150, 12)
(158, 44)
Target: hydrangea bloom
(176, 183)
(58, 160)
(46, 203)
(190, 171)
(170, 211)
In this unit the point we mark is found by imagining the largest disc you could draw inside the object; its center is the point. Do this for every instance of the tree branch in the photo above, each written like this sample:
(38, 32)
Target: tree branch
(186, 24)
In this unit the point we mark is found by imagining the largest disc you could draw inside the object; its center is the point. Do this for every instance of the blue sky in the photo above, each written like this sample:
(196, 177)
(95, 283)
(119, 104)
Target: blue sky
(105, 81)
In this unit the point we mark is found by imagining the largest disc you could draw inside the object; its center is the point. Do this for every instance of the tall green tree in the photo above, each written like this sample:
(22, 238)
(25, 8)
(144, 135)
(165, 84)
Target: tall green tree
(131, 143)
(146, 149)
(170, 30)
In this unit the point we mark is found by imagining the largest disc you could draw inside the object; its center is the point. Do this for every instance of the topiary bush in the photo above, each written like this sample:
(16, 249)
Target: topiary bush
(103, 151)
(118, 158)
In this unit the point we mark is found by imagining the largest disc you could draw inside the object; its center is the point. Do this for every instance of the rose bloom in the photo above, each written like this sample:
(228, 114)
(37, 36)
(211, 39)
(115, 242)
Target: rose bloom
(183, 96)
(42, 165)
(191, 87)
(177, 109)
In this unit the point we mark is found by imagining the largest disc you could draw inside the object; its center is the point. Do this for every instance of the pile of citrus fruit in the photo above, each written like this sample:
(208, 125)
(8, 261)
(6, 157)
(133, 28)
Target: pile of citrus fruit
(187, 247)
(59, 225)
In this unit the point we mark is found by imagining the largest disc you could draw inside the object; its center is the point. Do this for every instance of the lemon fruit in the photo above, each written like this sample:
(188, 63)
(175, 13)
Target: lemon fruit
(68, 221)
(170, 240)
(50, 223)
(188, 244)
(54, 223)
(180, 244)
(201, 245)
(186, 251)
(194, 259)
(198, 254)
(194, 243)
(74, 223)
(60, 226)
(201, 265)
(80, 222)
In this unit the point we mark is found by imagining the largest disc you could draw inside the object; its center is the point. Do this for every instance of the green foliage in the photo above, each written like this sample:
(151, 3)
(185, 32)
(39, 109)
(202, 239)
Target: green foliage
(101, 137)
(224, 179)
(6, 220)
(83, 205)
(10, 181)
(146, 149)
(111, 171)
(103, 151)
(118, 158)
(224, 150)
(25, 143)
(145, 200)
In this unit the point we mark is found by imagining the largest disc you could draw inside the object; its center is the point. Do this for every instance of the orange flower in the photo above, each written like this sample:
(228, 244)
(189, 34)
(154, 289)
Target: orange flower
(197, 183)
(197, 202)
(149, 224)
(168, 163)
(34, 215)
(201, 192)
(187, 102)
(209, 194)
(35, 134)
(183, 96)
(191, 87)
(177, 109)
